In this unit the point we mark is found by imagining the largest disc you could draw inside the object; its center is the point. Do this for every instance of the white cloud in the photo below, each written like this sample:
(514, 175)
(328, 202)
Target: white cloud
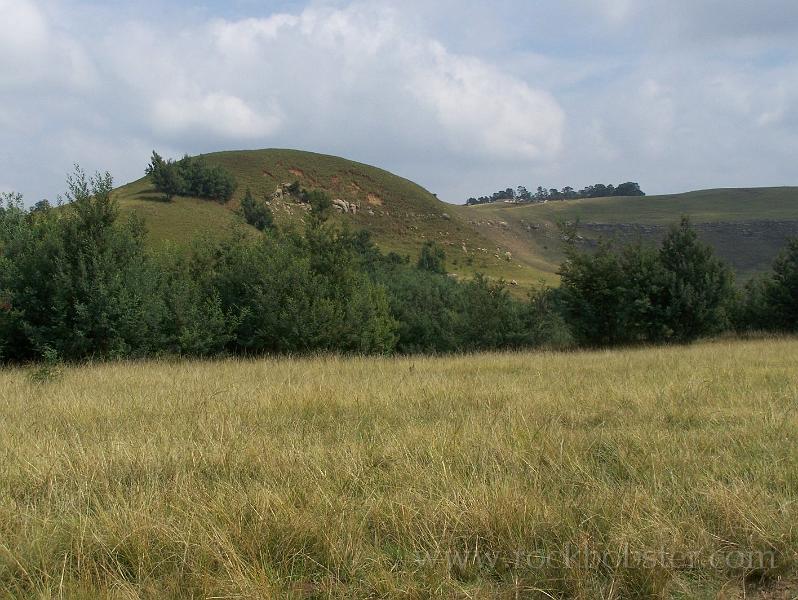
(487, 112)
(34, 52)
(352, 75)
(223, 115)
(677, 95)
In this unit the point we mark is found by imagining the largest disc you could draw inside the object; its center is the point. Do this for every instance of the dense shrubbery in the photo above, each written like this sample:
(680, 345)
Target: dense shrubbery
(771, 302)
(77, 283)
(190, 177)
(677, 293)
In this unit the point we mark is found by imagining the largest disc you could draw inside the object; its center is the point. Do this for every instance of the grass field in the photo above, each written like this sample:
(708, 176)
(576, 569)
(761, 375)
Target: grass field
(650, 473)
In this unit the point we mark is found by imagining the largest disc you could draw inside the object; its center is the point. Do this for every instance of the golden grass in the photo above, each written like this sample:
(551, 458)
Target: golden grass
(485, 476)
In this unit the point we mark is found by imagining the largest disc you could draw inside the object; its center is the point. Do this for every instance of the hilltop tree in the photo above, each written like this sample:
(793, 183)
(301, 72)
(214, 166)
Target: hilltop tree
(165, 176)
(630, 188)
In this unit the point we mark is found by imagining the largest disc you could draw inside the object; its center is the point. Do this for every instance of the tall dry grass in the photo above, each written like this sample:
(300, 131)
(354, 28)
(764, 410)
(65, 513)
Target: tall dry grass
(657, 473)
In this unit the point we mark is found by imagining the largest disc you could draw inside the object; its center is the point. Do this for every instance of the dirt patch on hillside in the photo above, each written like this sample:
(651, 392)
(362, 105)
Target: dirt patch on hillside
(296, 172)
(374, 200)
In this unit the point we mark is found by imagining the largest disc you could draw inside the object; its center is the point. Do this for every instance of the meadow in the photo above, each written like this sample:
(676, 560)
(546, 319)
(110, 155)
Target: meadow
(667, 472)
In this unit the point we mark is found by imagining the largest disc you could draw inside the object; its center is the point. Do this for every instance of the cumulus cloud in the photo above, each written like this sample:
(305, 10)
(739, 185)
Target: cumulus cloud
(677, 95)
(486, 111)
(362, 64)
(356, 79)
(35, 52)
(221, 114)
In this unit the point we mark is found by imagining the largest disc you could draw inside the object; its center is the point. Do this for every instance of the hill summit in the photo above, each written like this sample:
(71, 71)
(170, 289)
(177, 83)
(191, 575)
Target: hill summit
(400, 215)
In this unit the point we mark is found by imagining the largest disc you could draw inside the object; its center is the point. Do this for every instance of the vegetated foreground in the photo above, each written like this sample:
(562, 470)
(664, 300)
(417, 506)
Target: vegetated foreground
(667, 472)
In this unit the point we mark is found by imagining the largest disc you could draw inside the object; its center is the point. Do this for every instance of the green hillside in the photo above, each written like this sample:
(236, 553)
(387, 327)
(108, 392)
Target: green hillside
(518, 242)
(400, 214)
(746, 226)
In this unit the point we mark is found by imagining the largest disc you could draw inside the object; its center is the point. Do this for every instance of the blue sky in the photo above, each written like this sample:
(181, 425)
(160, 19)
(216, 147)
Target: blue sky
(462, 96)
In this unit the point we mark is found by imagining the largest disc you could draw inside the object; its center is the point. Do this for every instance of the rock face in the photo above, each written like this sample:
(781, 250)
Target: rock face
(283, 192)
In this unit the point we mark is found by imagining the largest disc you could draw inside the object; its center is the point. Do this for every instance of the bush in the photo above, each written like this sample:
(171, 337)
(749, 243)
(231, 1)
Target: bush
(678, 293)
(256, 212)
(592, 294)
(74, 281)
(432, 258)
(542, 322)
(781, 290)
(491, 318)
(190, 177)
(427, 307)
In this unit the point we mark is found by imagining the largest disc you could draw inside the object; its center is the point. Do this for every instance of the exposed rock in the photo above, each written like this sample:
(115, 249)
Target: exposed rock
(344, 207)
(340, 205)
(445, 216)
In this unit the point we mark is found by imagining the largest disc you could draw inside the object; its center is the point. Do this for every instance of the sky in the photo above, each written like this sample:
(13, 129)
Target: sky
(463, 96)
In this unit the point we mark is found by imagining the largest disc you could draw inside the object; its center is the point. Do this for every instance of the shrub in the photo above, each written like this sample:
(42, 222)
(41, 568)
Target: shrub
(432, 258)
(256, 212)
(679, 292)
(592, 294)
(427, 307)
(75, 282)
(781, 290)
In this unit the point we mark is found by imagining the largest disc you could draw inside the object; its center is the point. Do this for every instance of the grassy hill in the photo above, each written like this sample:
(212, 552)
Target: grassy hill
(400, 214)
(747, 227)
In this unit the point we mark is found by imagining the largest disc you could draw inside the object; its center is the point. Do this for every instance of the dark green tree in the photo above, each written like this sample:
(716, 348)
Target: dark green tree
(781, 290)
(491, 317)
(592, 295)
(77, 282)
(698, 294)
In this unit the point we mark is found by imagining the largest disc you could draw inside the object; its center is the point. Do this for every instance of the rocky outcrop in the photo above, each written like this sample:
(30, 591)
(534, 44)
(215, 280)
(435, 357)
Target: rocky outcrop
(345, 207)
